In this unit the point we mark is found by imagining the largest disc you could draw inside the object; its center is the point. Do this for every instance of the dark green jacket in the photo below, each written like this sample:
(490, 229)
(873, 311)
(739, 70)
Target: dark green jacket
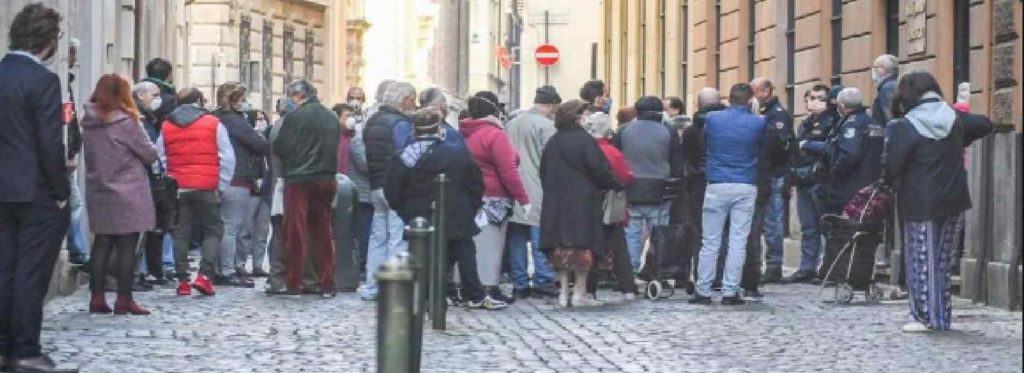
(308, 144)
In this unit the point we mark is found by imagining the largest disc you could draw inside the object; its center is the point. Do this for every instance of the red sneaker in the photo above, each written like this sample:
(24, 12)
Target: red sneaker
(203, 285)
(125, 305)
(184, 289)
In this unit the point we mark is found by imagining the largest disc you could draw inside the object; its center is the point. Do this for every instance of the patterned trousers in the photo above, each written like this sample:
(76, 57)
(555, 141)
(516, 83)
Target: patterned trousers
(929, 249)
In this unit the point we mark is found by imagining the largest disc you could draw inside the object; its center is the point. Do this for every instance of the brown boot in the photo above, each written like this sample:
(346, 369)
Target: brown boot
(125, 305)
(98, 303)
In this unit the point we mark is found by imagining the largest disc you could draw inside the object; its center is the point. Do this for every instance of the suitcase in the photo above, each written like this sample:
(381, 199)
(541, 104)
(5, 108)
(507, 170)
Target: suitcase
(346, 247)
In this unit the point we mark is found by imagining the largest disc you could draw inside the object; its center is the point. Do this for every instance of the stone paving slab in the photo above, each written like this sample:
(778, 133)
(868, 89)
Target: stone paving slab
(242, 330)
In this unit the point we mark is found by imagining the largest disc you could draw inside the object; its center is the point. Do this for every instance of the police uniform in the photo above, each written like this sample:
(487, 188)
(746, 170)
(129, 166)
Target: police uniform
(855, 154)
(809, 190)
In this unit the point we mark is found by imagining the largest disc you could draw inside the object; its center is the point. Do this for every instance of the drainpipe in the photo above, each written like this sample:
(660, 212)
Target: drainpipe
(137, 41)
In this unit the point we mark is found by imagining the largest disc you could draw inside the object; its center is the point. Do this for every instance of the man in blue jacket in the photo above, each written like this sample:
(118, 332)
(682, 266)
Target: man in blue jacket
(34, 188)
(734, 138)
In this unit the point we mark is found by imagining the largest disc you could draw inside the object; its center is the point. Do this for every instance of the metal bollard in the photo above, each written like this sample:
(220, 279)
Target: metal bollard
(395, 308)
(439, 257)
(419, 233)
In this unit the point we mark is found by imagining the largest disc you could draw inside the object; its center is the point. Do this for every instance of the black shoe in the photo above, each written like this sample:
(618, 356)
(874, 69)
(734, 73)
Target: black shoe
(259, 272)
(77, 259)
(234, 281)
(496, 294)
(800, 277)
(753, 295)
(772, 275)
(141, 285)
(242, 272)
(544, 292)
(734, 300)
(4, 364)
(699, 299)
(328, 294)
(521, 293)
(272, 291)
(41, 363)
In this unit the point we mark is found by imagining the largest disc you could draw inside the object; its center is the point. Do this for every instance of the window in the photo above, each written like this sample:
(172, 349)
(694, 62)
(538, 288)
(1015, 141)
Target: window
(268, 66)
(751, 37)
(892, 27)
(790, 54)
(288, 53)
(307, 64)
(837, 42)
(244, 30)
(961, 44)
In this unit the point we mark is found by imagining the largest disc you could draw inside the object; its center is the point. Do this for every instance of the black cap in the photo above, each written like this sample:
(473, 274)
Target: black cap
(547, 95)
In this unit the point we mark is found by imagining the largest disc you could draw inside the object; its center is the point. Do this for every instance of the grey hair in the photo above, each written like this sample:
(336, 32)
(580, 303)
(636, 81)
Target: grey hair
(300, 88)
(598, 124)
(143, 87)
(434, 97)
(74, 43)
(850, 97)
(382, 88)
(708, 96)
(397, 93)
(888, 62)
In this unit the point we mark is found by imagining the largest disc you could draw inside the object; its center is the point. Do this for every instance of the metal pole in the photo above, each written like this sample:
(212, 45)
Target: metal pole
(547, 69)
(395, 350)
(439, 261)
(419, 234)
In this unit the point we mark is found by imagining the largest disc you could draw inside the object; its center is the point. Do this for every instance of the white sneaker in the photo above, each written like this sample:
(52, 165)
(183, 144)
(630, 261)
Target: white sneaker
(563, 299)
(586, 301)
(915, 327)
(488, 303)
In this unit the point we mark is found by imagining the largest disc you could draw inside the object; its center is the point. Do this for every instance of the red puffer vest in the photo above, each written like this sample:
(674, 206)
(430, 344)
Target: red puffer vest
(192, 153)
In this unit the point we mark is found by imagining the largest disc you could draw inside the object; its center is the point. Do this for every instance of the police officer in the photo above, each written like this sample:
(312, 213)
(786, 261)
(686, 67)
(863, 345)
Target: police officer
(854, 152)
(815, 127)
(772, 169)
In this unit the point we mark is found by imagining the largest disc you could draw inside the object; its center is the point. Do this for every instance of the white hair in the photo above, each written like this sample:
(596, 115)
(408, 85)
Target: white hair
(598, 124)
(850, 97)
(397, 93)
(143, 87)
(888, 62)
(708, 96)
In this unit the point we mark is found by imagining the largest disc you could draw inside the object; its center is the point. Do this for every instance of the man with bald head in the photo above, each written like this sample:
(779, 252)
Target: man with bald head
(771, 185)
(694, 166)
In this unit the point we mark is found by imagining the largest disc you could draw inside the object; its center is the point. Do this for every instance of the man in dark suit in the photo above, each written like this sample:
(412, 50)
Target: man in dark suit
(33, 188)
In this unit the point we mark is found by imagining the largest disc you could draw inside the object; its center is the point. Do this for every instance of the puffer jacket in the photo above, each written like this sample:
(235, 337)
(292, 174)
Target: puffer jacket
(379, 140)
(250, 147)
(497, 158)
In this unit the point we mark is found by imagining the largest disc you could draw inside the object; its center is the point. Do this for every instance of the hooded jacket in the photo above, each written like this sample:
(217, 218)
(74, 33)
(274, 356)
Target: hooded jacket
(928, 173)
(196, 149)
(410, 188)
(497, 158)
(250, 147)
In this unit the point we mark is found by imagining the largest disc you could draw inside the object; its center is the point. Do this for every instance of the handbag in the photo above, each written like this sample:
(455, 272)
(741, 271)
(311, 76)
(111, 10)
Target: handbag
(614, 207)
(870, 203)
(164, 189)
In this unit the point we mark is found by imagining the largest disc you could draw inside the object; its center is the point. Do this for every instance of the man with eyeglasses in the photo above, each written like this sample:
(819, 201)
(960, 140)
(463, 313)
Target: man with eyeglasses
(814, 129)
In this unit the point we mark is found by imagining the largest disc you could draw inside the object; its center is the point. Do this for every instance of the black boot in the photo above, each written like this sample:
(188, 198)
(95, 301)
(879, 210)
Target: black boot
(772, 275)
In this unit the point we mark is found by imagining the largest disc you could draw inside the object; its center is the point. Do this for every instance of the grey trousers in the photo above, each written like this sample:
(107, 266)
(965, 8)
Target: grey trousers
(202, 206)
(237, 208)
(490, 247)
(253, 240)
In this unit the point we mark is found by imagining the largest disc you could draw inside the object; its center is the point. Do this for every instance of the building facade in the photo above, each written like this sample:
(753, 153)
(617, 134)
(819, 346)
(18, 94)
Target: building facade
(677, 47)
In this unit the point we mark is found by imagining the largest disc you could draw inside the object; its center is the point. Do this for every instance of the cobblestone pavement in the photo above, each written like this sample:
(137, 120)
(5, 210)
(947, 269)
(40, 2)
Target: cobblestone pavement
(242, 330)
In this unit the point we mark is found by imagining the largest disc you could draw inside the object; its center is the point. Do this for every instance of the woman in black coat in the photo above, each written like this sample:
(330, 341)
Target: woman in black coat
(410, 189)
(574, 175)
(924, 162)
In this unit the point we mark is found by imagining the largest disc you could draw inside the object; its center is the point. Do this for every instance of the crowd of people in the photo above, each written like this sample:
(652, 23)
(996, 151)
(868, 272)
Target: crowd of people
(555, 198)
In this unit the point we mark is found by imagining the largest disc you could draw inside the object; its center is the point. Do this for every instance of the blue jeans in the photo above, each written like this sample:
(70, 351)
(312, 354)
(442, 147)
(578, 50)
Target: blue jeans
(642, 218)
(809, 208)
(773, 223)
(734, 202)
(78, 244)
(518, 254)
(386, 240)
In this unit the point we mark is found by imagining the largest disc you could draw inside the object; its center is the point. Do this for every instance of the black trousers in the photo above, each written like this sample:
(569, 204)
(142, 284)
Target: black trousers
(752, 266)
(154, 250)
(119, 249)
(615, 237)
(462, 252)
(30, 239)
(692, 219)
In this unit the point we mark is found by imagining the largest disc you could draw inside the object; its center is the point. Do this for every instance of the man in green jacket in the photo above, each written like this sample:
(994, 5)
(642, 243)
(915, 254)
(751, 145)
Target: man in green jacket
(307, 146)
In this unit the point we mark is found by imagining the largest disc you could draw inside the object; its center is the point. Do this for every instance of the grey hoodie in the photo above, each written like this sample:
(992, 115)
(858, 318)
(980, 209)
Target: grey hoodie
(933, 120)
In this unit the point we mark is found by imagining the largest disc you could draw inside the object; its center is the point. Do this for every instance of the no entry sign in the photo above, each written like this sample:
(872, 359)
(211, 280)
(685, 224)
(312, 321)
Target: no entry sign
(546, 55)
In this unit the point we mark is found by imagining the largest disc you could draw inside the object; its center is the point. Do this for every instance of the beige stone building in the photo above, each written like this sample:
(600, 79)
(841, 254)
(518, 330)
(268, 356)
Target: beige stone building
(677, 47)
(268, 43)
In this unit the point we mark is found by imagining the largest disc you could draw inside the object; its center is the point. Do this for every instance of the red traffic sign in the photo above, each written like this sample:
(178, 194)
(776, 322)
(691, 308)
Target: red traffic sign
(546, 55)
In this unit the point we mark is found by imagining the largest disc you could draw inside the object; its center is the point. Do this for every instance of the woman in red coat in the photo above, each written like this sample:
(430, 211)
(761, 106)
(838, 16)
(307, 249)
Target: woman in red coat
(616, 254)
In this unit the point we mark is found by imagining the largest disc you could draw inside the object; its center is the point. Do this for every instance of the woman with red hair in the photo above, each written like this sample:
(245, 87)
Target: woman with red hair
(120, 205)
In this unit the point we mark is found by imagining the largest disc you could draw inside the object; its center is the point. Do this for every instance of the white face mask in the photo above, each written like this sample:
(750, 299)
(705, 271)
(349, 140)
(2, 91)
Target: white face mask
(245, 106)
(874, 75)
(350, 123)
(156, 103)
(356, 104)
